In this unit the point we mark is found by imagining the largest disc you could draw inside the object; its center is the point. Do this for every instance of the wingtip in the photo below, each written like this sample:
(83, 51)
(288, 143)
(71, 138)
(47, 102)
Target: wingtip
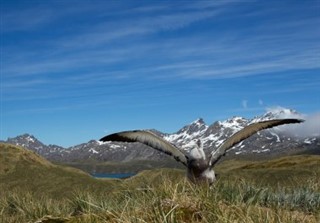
(119, 137)
(291, 120)
(297, 120)
(102, 139)
(107, 138)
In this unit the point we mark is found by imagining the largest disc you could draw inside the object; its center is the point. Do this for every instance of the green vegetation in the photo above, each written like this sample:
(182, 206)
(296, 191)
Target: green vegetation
(281, 190)
(23, 170)
(123, 167)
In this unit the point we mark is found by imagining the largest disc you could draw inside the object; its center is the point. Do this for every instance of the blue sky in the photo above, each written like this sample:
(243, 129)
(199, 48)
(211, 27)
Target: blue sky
(72, 71)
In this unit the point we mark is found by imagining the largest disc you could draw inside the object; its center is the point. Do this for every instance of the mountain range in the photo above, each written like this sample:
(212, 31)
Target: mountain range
(272, 142)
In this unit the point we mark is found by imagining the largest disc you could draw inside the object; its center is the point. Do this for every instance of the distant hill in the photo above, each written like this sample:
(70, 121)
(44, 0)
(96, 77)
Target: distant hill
(24, 170)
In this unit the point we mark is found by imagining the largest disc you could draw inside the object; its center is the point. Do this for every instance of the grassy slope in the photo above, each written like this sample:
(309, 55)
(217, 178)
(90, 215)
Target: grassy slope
(281, 190)
(123, 167)
(23, 170)
(287, 171)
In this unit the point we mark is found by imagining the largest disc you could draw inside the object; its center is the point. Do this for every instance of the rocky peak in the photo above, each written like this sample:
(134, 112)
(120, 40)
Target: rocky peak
(277, 113)
(26, 140)
(196, 126)
(194, 130)
(271, 141)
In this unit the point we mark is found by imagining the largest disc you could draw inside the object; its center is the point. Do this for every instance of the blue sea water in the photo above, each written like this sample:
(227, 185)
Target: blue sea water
(112, 175)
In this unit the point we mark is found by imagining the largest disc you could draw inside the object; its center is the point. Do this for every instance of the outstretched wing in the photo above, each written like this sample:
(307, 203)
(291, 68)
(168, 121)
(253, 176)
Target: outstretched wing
(150, 139)
(245, 133)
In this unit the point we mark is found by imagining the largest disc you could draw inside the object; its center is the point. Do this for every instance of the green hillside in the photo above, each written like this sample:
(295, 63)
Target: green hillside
(278, 190)
(24, 170)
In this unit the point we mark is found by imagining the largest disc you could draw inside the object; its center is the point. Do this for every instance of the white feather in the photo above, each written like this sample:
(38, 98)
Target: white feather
(197, 152)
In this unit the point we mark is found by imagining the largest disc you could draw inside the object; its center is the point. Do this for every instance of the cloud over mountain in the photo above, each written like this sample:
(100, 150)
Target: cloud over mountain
(311, 126)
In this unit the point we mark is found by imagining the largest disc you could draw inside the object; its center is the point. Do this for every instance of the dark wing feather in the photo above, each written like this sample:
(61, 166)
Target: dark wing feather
(245, 133)
(150, 139)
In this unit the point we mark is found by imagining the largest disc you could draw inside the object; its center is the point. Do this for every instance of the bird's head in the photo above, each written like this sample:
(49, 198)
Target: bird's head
(196, 151)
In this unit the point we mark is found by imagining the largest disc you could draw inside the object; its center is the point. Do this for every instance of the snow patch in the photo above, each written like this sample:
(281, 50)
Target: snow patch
(260, 151)
(309, 141)
(93, 151)
(274, 134)
(30, 139)
(115, 146)
(102, 143)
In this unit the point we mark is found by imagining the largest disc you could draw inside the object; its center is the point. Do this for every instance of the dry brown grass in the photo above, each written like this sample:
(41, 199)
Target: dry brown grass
(284, 190)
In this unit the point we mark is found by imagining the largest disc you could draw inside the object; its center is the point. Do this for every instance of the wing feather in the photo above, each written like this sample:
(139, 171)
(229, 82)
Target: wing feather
(150, 139)
(245, 133)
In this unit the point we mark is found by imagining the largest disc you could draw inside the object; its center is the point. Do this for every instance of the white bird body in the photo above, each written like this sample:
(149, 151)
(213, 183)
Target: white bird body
(209, 175)
(199, 167)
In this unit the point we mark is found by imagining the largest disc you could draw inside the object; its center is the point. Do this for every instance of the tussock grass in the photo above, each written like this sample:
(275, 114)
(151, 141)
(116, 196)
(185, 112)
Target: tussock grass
(266, 192)
(26, 207)
(171, 201)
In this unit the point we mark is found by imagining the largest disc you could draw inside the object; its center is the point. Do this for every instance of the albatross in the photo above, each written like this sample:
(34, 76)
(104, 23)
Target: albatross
(199, 167)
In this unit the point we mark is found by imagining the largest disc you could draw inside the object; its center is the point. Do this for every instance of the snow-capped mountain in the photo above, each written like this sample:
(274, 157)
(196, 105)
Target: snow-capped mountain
(278, 113)
(279, 140)
(32, 143)
(188, 133)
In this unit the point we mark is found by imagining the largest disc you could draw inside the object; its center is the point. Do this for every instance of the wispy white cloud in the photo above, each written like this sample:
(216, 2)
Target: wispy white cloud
(122, 48)
(30, 17)
(91, 46)
(222, 57)
(309, 128)
(244, 104)
(26, 19)
(60, 64)
(260, 102)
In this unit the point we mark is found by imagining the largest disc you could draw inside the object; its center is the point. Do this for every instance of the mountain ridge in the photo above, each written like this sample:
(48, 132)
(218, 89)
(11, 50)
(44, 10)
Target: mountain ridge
(271, 141)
